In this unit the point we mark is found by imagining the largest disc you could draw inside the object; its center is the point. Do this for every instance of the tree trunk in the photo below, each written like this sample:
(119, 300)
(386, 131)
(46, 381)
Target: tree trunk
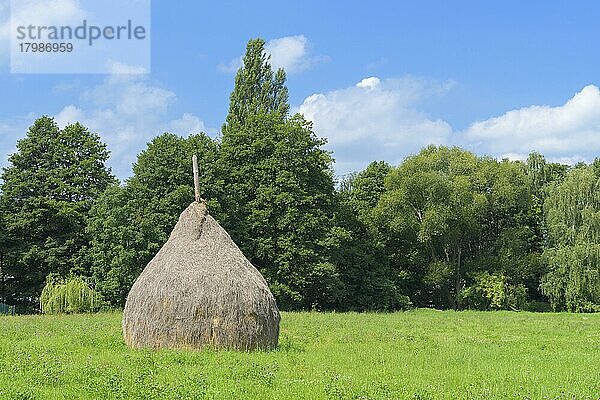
(457, 283)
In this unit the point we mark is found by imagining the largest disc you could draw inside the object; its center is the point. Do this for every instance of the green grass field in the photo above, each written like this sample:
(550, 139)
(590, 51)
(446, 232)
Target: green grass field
(422, 354)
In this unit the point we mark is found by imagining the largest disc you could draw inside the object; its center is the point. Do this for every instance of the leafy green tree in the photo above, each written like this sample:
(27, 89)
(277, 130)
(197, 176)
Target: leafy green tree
(129, 224)
(362, 191)
(431, 203)
(47, 190)
(510, 243)
(447, 218)
(541, 175)
(281, 185)
(279, 194)
(4, 277)
(357, 251)
(572, 208)
(257, 89)
(493, 292)
(573, 220)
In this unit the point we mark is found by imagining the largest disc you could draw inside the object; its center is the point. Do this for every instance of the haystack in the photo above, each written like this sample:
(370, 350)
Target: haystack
(199, 290)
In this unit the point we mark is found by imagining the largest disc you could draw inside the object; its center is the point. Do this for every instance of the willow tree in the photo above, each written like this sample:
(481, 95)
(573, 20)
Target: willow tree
(68, 296)
(573, 218)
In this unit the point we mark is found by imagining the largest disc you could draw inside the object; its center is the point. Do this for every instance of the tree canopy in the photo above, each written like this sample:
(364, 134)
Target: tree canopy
(573, 218)
(278, 183)
(47, 191)
(444, 228)
(128, 224)
(258, 90)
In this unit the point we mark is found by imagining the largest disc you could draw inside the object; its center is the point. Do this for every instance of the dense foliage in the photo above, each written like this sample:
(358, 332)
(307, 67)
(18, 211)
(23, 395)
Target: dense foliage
(47, 191)
(452, 221)
(358, 250)
(128, 224)
(445, 228)
(279, 188)
(573, 218)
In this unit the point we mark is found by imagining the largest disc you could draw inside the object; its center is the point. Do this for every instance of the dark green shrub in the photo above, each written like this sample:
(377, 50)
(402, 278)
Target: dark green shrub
(493, 292)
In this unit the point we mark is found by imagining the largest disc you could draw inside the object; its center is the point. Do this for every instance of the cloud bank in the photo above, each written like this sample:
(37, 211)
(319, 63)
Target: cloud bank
(383, 119)
(566, 133)
(376, 120)
(127, 111)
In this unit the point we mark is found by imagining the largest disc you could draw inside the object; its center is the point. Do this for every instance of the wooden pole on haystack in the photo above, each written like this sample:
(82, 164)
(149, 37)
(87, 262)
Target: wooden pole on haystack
(196, 178)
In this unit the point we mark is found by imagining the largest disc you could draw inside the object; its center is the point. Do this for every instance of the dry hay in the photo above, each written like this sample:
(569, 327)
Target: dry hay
(199, 290)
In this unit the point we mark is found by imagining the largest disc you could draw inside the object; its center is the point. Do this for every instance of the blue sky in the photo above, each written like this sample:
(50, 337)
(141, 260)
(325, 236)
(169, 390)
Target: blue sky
(379, 79)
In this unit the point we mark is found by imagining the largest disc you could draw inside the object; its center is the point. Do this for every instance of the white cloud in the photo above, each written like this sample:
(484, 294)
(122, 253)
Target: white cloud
(376, 120)
(130, 95)
(513, 156)
(291, 53)
(369, 83)
(68, 115)
(382, 119)
(187, 124)
(10, 130)
(127, 111)
(569, 132)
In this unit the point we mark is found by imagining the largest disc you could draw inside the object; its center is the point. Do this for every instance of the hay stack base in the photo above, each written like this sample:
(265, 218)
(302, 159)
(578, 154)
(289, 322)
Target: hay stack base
(199, 290)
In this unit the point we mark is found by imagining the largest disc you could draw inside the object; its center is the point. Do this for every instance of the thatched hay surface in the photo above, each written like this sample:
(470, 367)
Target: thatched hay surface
(199, 290)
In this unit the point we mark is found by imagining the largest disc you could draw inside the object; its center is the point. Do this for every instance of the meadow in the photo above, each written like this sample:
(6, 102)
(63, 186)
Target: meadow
(420, 354)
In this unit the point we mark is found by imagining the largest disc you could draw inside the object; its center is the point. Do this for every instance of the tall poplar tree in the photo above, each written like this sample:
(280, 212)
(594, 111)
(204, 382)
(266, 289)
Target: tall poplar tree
(257, 89)
(278, 187)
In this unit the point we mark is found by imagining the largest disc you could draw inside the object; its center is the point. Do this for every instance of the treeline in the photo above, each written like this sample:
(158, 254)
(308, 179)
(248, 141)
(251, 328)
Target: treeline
(444, 229)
